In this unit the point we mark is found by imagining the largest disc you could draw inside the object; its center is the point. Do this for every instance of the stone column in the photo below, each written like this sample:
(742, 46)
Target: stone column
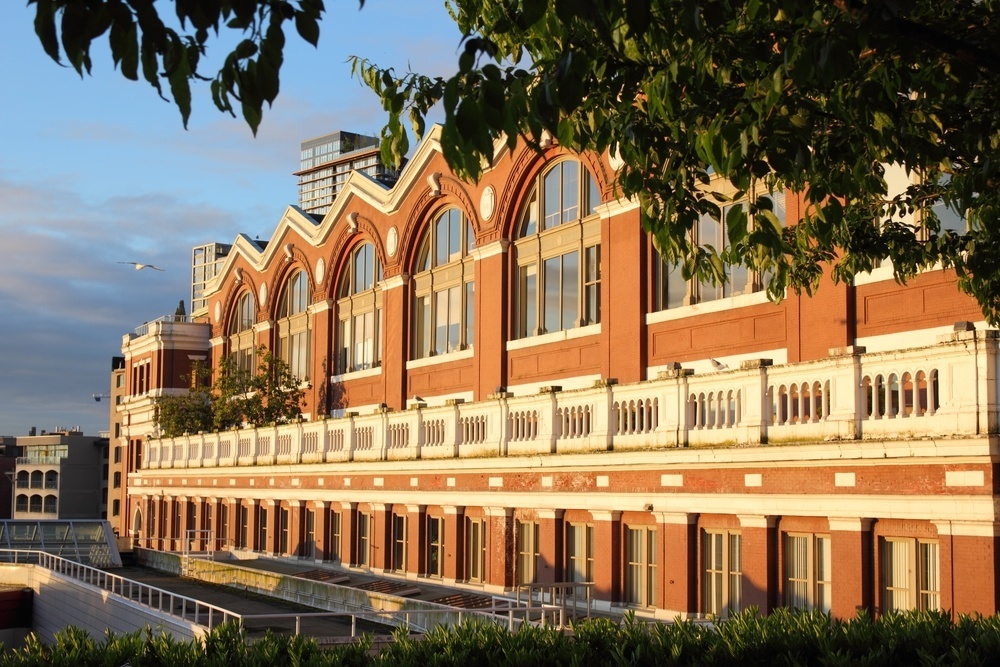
(321, 510)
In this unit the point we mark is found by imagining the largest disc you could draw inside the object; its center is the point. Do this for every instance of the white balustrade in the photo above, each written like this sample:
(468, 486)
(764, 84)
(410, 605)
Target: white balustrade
(948, 389)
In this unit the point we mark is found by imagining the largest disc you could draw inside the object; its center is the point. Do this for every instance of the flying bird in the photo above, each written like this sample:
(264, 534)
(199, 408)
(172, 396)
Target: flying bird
(140, 267)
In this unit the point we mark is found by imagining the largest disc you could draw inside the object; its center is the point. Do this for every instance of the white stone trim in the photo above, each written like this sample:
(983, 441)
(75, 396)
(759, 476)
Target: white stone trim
(554, 337)
(844, 479)
(964, 478)
(467, 353)
(716, 306)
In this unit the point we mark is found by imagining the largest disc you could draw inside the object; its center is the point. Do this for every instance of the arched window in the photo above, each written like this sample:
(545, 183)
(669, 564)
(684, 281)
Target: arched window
(35, 503)
(359, 312)
(293, 325)
(51, 479)
(558, 253)
(241, 337)
(21, 503)
(51, 504)
(37, 479)
(444, 288)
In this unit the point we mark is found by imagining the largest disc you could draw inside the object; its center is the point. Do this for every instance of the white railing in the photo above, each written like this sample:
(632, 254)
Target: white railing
(948, 389)
(162, 601)
(511, 612)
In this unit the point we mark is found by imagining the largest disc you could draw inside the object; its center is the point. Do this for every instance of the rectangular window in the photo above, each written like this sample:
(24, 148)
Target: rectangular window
(475, 549)
(807, 572)
(223, 525)
(333, 548)
(309, 548)
(640, 571)
(580, 552)
(910, 575)
(364, 539)
(527, 552)
(592, 285)
(262, 531)
(722, 581)
(115, 507)
(244, 527)
(422, 333)
(283, 520)
(528, 301)
(470, 312)
(399, 542)
(435, 546)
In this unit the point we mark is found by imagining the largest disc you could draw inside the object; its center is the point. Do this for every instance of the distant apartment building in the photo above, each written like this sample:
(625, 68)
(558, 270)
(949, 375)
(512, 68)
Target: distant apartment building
(206, 260)
(117, 468)
(61, 475)
(327, 161)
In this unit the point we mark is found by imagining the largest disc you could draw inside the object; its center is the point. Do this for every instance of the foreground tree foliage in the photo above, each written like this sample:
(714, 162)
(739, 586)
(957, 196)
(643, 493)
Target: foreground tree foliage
(782, 638)
(271, 395)
(757, 95)
(696, 97)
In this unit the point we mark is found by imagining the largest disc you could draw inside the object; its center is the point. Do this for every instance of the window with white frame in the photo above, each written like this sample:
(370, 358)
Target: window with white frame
(435, 546)
(527, 552)
(359, 312)
(910, 574)
(333, 548)
(399, 542)
(807, 572)
(580, 552)
(364, 539)
(475, 549)
(293, 325)
(670, 290)
(640, 566)
(242, 346)
(558, 253)
(444, 287)
(722, 572)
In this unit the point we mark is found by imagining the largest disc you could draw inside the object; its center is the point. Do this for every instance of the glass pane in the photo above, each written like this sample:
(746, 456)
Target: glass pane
(529, 220)
(470, 305)
(551, 306)
(528, 301)
(570, 191)
(570, 289)
(553, 206)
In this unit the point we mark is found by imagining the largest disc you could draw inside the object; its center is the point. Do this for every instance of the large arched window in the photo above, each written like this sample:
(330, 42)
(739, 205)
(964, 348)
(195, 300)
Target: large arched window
(293, 325)
(558, 253)
(241, 336)
(359, 312)
(443, 287)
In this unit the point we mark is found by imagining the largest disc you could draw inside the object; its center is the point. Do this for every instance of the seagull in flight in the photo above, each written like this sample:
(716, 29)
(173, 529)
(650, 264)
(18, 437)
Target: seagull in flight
(140, 267)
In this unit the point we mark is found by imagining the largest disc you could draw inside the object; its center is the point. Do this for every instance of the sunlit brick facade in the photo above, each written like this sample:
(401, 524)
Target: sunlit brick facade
(503, 385)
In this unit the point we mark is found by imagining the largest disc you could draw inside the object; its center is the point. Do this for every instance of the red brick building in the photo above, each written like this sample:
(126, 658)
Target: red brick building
(505, 385)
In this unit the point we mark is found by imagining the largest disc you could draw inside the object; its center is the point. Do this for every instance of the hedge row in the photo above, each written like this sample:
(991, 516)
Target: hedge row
(781, 638)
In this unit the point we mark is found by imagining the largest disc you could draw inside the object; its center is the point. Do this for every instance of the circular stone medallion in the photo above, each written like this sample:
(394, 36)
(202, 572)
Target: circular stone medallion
(487, 202)
(392, 242)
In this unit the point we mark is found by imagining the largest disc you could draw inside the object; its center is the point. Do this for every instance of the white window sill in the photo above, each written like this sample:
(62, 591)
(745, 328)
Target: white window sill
(357, 375)
(467, 353)
(717, 306)
(556, 337)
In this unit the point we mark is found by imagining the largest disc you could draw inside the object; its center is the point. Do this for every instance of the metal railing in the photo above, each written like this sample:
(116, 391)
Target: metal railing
(208, 615)
(162, 601)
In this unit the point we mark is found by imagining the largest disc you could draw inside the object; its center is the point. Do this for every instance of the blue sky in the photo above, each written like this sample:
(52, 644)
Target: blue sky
(99, 170)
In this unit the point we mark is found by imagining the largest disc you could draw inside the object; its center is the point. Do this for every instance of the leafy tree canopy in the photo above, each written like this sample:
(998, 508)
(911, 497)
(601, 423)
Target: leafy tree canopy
(271, 395)
(760, 95)
(815, 96)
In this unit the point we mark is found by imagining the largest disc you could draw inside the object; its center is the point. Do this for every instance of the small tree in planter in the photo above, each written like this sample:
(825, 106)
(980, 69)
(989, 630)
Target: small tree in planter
(191, 411)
